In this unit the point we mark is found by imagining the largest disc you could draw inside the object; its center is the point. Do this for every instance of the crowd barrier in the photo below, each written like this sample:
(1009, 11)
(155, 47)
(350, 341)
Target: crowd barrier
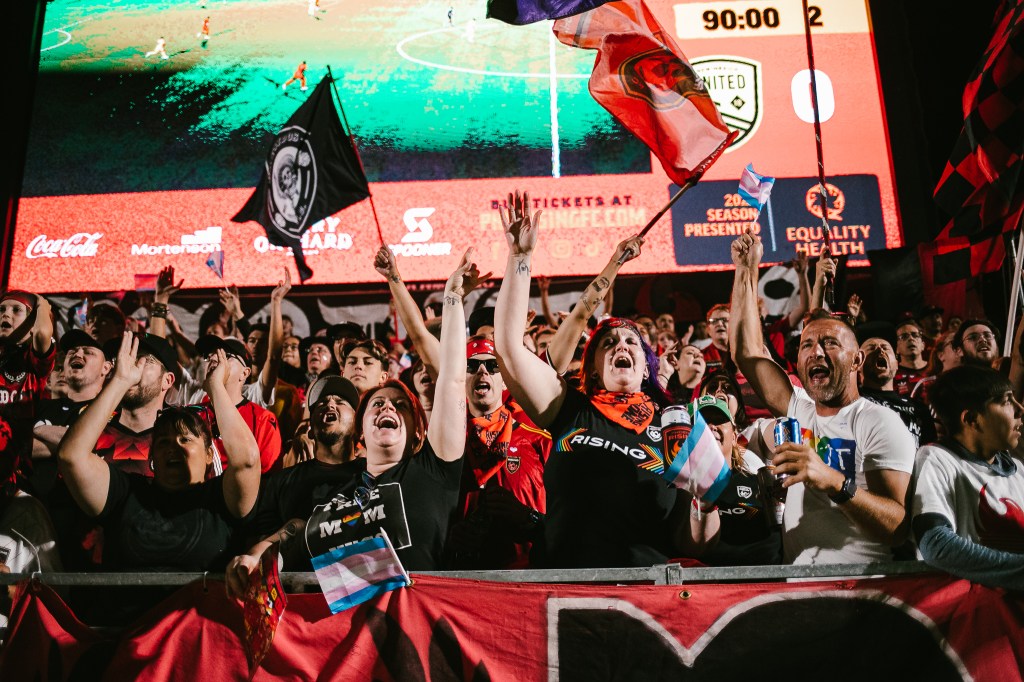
(886, 621)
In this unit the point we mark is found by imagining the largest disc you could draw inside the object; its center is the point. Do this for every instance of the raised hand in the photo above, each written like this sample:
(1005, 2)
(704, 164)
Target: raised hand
(165, 286)
(826, 266)
(128, 366)
(853, 306)
(543, 283)
(282, 288)
(217, 372)
(628, 249)
(230, 300)
(466, 276)
(800, 263)
(384, 263)
(520, 229)
(747, 250)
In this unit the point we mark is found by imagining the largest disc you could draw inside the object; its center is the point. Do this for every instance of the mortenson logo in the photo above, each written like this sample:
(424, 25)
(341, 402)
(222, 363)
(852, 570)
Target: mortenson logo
(206, 240)
(81, 245)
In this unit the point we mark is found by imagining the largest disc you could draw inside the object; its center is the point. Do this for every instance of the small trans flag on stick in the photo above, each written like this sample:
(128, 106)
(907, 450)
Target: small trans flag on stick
(697, 464)
(755, 189)
(355, 573)
(216, 263)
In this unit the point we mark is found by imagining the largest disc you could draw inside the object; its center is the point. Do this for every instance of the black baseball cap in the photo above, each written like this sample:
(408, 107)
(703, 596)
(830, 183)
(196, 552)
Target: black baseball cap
(346, 330)
(481, 317)
(331, 385)
(157, 346)
(76, 338)
(306, 343)
(231, 346)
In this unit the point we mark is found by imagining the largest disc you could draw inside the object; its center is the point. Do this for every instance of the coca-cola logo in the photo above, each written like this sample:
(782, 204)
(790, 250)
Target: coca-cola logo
(79, 245)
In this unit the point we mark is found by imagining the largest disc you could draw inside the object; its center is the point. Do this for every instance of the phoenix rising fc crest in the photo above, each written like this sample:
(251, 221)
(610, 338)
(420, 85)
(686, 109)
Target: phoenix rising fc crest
(735, 86)
(291, 169)
(661, 78)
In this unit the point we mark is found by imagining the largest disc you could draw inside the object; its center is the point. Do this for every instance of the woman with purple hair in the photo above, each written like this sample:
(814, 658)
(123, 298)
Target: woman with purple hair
(607, 502)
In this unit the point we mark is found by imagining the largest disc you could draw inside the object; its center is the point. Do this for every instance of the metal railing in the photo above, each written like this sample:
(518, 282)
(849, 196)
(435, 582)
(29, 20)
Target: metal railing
(661, 574)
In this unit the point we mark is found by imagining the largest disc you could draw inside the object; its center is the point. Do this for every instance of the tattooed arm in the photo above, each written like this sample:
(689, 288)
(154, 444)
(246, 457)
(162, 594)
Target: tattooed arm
(236, 576)
(562, 346)
(532, 382)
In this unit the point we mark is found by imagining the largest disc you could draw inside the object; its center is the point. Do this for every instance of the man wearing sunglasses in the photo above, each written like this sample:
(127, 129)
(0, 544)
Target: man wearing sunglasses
(502, 499)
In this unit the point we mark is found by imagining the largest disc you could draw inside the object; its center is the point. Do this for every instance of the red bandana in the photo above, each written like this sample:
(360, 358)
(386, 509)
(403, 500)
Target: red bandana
(633, 411)
(487, 443)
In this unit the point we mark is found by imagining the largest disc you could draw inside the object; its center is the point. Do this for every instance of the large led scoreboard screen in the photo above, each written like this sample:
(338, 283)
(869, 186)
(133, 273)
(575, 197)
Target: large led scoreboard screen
(137, 161)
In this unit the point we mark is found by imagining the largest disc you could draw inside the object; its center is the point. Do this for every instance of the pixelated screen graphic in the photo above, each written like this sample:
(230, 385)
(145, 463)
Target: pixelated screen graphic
(152, 120)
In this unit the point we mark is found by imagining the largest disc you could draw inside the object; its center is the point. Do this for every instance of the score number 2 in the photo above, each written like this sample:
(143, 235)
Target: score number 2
(753, 18)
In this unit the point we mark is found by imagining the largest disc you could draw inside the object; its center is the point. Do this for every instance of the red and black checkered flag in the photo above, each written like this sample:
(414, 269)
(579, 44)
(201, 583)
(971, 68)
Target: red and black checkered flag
(981, 185)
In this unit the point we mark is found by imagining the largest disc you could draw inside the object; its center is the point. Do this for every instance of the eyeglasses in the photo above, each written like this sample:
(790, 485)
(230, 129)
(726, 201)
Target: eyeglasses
(979, 336)
(290, 346)
(718, 320)
(473, 366)
(361, 494)
(906, 336)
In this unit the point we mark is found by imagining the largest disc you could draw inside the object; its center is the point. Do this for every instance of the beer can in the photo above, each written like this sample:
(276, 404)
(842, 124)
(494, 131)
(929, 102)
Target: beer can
(787, 430)
(676, 425)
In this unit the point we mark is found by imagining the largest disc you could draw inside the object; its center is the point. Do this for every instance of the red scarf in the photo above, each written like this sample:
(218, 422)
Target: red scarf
(487, 443)
(633, 411)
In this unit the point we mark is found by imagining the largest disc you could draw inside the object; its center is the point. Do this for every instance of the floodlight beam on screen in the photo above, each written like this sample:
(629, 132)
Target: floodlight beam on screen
(551, 75)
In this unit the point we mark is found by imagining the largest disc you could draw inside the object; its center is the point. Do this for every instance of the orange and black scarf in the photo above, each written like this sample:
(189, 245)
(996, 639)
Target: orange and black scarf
(633, 411)
(487, 443)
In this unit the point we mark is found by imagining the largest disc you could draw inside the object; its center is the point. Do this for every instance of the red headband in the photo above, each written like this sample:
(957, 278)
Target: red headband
(23, 297)
(478, 345)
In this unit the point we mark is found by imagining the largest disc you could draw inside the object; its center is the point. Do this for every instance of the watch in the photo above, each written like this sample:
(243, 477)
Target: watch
(845, 493)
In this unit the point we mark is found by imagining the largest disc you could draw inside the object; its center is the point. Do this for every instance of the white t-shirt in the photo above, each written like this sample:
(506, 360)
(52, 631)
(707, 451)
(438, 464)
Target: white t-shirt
(982, 505)
(192, 392)
(863, 436)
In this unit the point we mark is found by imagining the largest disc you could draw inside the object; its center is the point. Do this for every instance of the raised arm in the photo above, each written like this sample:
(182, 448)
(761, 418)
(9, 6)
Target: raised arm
(544, 287)
(825, 268)
(562, 346)
(42, 328)
(268, 375)
(447, 429)
(533, 383)
(746, 339)
(242, 475)
(427, 346)
(86, 475)
(801, 308)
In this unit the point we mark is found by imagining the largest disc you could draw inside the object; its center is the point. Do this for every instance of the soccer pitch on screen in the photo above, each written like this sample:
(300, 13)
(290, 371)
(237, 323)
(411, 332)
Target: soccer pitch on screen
(426, 98)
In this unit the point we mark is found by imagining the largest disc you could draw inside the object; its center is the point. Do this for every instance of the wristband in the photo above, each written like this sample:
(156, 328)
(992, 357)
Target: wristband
(158, 310)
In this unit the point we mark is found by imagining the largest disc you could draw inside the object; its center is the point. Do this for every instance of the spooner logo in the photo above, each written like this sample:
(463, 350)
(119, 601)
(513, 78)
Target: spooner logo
(735, 86)
(292, 173)
(418, 226)
(416, 241)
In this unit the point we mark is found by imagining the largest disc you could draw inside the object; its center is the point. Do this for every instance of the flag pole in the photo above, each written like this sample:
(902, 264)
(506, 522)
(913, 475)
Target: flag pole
(1015, 291)
(352, 139)
(830, 281)
(675, 197)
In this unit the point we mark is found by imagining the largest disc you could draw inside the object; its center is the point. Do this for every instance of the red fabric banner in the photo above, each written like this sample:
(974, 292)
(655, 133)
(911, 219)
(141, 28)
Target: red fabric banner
(642, 78)
(912, 628)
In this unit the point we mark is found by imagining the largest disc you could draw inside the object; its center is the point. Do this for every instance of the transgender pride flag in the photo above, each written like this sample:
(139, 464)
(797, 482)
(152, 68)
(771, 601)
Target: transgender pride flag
(359, 572)
(755, 189)
(697, 465)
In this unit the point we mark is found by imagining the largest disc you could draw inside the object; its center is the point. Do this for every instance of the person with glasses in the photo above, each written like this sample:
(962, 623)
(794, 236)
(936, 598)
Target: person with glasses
(913, 366)
(607, 504)
(849, 478)
(175, 519)
(716, 354)
(976, 342)
(317, 358)
(501, 501)
(405, 458)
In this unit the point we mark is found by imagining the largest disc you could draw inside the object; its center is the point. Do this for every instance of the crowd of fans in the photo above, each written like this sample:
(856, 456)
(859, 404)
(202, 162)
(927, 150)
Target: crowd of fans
(515, 438)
